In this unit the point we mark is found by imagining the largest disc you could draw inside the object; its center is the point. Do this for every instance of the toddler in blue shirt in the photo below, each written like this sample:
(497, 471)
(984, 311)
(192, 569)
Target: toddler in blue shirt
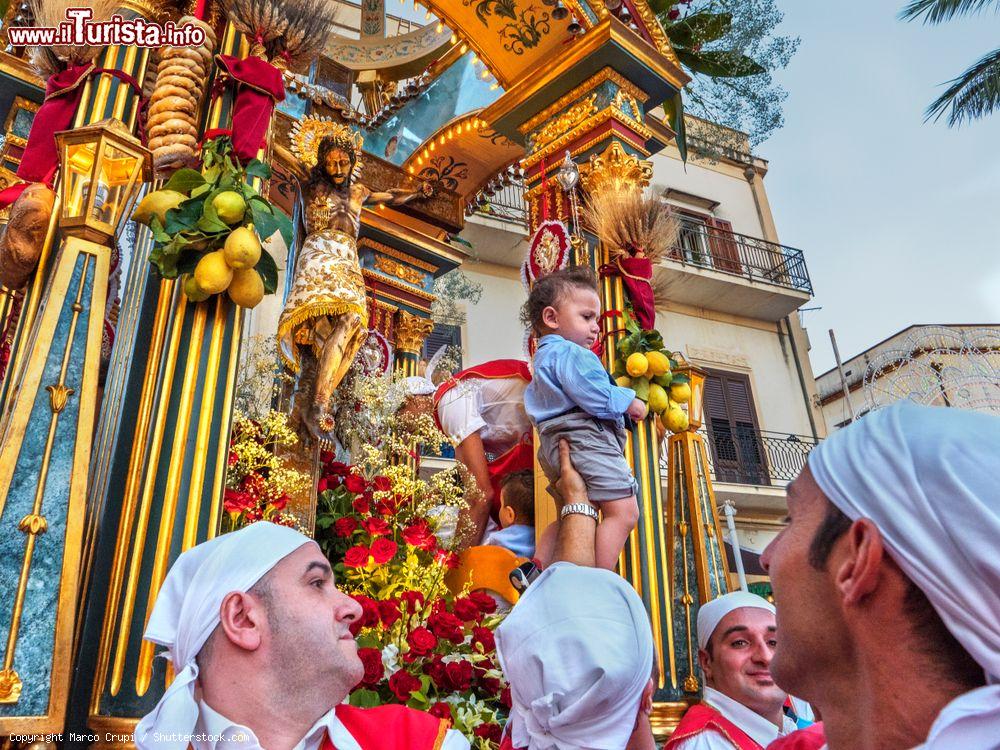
(572, 397)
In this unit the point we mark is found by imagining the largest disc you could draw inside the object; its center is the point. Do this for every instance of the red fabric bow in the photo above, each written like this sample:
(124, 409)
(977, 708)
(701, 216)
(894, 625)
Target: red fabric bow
(636, 274)
(259, 86)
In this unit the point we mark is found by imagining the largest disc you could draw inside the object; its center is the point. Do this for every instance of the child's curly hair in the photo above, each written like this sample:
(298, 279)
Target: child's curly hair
(549, 290)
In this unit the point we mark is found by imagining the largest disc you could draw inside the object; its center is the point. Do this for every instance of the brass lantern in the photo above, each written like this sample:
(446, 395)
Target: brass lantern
(102, 168)
(696, 380)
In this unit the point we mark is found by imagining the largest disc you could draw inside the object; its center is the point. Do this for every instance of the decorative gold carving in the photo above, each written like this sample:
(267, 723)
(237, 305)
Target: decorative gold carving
(59, 394)
(399, 270)
(565, 122)
(397, 254)
(605, 74)
(652, 25)
(690, 684)
(665, 717)
(33, 523)
(10, 686)
(411, 330)
(643, 134)
(616, 170)
(368, 273)
(622, 98)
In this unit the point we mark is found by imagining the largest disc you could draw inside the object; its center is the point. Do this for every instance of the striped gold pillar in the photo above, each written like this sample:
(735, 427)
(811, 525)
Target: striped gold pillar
(161, 466)
(104, 97)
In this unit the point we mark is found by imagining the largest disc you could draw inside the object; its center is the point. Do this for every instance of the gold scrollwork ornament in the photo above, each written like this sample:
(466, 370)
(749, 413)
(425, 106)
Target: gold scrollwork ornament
(411, 330)
(10, 686)
(617, 170)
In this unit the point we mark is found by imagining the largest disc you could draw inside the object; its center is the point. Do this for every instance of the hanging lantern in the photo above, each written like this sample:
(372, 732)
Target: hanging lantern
(103, 166)
(696, 381)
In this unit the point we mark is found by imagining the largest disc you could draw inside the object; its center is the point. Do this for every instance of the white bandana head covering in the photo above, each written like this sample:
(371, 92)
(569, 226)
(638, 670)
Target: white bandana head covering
(577, 650)
(187, 612)
(423, 385)
(710, 614)
(926, 476)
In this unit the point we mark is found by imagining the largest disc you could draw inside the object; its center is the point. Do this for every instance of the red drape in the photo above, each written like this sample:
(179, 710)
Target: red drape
(636, 274)
(259, 86)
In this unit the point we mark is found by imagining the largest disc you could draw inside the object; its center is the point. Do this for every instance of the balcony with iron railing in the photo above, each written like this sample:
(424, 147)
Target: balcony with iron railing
(505, 204)
(754, 457)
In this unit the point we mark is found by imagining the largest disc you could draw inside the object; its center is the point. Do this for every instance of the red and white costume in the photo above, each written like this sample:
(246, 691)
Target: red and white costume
(721, 723)
(344, 728)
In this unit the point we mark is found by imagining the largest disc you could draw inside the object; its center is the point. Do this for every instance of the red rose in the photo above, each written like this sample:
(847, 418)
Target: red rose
(489, 731)
(369, 610)
(374, 671)
(381, 484)
(467, 609)
(325, 457)
(323, 485)
(356, 557)
(673, 14)
(234, 501)
(402, 683)
(419, 534)
(384, 508)
(441, 710)
(435, 670)
(345, 526)
(490, 685)
(360, 505)
(355, 484)
(254, 483)
(383, 550)
(505, 697)
(421, 641)
(483, 637)
(486, 603)
(414, 600)
(280, 502)
(233, 458)
(388, 612)
(376, 526)
(446, 625)
(337, 469)
(458, 675)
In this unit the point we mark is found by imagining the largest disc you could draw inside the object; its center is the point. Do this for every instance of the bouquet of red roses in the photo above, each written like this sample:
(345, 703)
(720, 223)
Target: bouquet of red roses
(421, 645)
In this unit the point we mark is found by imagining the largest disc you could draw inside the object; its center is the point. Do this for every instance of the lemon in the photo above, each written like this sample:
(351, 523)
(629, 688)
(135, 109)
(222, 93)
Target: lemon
(213, 274)
(657, 398)
(242, 248)
(676, 420)
(637, 364)
(658, 363)
(157, 204)
(194, 292)
(230, 206)
(247, 289)
(624, 381)
(681, 393)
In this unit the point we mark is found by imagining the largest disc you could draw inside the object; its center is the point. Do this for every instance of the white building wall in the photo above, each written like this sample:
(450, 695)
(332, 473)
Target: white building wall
(492, 329)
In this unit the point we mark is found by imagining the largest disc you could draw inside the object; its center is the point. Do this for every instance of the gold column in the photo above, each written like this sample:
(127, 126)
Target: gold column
(411, 331)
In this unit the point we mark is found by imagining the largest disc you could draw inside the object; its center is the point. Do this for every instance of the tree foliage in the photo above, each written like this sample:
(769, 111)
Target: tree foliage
(731, 48)
(976, 92)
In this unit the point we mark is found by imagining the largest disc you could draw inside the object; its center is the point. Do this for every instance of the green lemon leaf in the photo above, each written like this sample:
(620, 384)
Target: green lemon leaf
(257, 168)
(185, 180)
(268, 271)
(185, 216)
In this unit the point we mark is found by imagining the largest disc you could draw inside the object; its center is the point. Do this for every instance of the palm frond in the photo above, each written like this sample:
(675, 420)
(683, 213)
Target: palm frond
(972, 95)
(627, 221)
(936, 11)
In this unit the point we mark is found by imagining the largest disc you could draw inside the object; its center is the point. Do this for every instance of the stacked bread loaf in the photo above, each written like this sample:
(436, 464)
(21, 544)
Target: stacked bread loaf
(181, 77)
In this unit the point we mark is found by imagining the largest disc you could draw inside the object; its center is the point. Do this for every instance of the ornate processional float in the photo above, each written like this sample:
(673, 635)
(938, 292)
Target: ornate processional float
(193, 201)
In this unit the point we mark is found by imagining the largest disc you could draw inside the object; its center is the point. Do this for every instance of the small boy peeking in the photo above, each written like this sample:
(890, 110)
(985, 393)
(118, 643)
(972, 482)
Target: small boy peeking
(517, 515)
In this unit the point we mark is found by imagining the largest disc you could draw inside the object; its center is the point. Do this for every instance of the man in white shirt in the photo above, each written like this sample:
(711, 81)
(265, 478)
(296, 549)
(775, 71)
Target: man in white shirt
(888, 582)
(259, 638)
(742, 706)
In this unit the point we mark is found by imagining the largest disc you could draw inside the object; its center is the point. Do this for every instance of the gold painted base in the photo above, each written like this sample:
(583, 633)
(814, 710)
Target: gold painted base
(10, 686)
(665, 718)
(113, 732)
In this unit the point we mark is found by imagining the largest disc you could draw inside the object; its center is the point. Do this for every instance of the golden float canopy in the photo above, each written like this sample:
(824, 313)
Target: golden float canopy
(102, 168)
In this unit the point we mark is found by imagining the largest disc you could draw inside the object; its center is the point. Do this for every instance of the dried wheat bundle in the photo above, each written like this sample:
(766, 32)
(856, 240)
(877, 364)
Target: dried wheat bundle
(52, 13)
(309, 25)
(261, 20)
(630, 221)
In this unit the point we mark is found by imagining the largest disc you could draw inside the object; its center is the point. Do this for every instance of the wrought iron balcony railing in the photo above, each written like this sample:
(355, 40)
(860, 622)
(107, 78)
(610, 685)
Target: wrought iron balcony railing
(507, 204)
(755, 457)
(740, 255)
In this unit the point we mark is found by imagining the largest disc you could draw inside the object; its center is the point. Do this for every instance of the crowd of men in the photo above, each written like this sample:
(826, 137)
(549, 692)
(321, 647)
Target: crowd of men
(886, 621)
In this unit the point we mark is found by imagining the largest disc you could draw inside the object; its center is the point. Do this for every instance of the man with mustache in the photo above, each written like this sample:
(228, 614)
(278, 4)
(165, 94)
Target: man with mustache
(260, 642)
(742, 706)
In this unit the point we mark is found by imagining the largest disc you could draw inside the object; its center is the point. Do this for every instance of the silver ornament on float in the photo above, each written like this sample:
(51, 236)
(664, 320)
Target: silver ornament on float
(568, 174)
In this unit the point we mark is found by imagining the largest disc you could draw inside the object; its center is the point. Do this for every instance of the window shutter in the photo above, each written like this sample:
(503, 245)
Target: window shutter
(725, 253)
(442, 335)
(734, 436)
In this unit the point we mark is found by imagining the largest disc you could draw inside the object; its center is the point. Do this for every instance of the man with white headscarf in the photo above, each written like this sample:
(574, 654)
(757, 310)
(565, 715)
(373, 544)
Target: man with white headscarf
(259, 639)
(887, 580)
(577, 648)
(742, 706)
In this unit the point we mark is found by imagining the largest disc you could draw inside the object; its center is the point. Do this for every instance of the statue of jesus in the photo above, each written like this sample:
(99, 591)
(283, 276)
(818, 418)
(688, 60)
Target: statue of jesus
(326, 313)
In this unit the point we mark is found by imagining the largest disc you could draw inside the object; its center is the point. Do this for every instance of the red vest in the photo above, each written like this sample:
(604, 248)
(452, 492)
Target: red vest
(701, 718)
(810, 738)
(391, 727)
(522, 455)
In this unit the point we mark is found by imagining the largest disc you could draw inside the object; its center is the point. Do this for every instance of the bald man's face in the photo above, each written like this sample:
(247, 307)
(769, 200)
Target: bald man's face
(309, 621)
(738, 662)
(813, 641)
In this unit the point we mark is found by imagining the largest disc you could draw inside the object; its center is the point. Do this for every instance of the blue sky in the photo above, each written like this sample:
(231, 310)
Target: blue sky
(898, 218)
